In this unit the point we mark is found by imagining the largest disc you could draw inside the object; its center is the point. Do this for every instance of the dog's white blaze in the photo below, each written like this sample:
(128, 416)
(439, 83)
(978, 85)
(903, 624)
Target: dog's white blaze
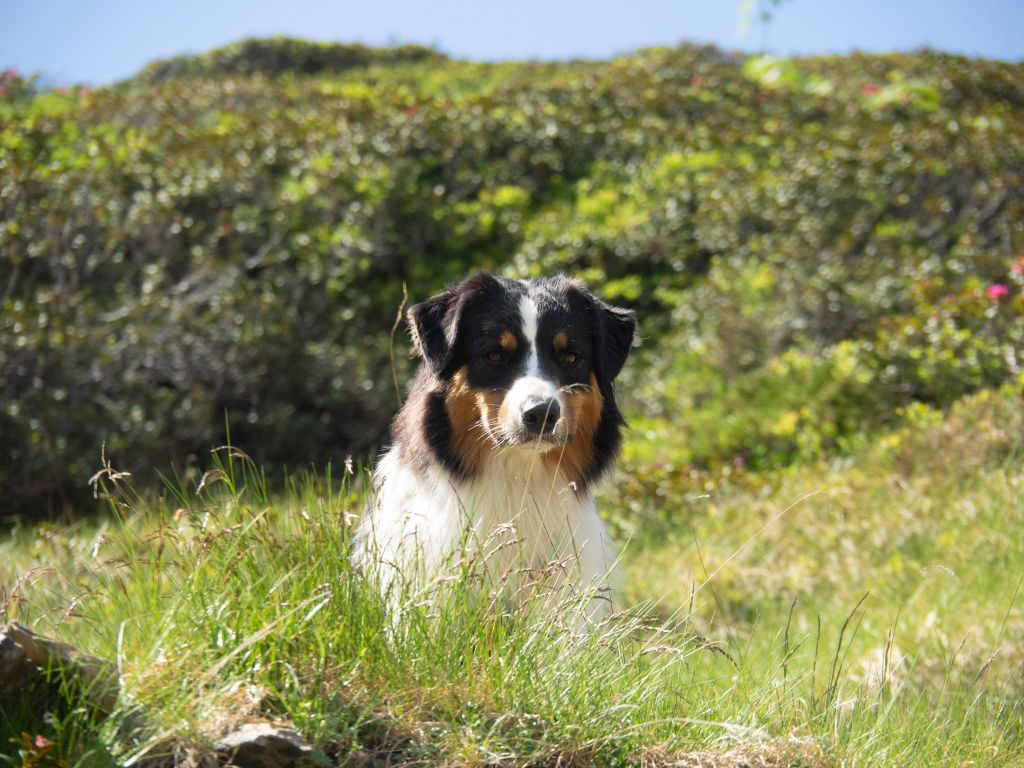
(528, 313)
(530, 387)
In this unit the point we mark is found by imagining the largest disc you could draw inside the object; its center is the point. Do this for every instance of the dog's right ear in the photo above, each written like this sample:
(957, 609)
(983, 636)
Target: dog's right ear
(434, 329)
(435, 322)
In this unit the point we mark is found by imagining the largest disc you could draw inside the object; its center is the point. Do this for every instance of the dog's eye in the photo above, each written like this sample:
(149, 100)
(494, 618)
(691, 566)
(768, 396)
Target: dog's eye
(569, 358)
(496, 356)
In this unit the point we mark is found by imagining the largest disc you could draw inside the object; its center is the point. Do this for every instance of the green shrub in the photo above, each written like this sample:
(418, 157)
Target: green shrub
(226, 238)
(951, 344)
(281, 55)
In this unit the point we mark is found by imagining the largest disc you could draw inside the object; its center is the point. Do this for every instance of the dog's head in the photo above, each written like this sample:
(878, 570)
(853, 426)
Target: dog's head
(524, 365)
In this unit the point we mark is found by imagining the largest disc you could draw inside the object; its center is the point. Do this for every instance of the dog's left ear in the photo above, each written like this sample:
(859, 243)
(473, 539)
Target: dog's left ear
(435, 322)
(615, 328)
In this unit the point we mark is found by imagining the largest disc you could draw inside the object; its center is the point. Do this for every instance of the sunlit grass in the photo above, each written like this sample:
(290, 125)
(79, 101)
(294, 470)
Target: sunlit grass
(862, 613)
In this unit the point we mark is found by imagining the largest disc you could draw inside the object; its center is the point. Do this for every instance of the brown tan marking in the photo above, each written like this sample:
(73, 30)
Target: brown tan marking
(583, 413)
(467, 409)
(561, 341)
(508, 341)
(504, 419)
(489, 404)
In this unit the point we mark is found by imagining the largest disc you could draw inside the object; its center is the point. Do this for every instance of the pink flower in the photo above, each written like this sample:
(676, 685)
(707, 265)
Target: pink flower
(870, 89)
(1018, 267)
(997, 291)
(11, 74)
(41, 741)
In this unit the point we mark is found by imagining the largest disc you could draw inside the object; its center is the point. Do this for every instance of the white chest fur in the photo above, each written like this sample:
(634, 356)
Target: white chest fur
(519, 517)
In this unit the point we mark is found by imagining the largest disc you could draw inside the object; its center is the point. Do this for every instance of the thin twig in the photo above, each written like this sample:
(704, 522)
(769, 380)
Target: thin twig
(394, 330)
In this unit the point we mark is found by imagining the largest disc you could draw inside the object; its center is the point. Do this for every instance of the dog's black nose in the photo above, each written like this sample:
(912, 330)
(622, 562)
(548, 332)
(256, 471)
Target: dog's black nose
(541, 417)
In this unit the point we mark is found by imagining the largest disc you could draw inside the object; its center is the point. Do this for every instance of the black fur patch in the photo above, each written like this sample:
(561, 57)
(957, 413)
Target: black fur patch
(437, 322)
(437, 434)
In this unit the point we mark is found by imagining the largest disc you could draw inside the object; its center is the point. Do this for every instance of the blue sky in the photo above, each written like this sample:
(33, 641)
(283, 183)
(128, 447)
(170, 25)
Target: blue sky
(98, 41)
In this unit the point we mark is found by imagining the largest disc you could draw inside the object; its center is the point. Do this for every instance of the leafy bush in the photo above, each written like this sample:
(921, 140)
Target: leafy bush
(280, 55)
(227, 237)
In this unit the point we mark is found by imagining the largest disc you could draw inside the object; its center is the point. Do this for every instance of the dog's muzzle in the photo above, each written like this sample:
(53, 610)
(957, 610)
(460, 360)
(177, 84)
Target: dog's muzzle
(540, 416)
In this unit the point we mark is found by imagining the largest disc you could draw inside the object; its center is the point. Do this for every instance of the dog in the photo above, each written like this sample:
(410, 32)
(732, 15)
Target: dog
(510, 421)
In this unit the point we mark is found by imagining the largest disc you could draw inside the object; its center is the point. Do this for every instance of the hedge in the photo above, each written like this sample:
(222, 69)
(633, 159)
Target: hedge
(225, 239)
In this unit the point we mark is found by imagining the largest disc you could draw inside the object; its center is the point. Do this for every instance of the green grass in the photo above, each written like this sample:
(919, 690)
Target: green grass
(863, 612)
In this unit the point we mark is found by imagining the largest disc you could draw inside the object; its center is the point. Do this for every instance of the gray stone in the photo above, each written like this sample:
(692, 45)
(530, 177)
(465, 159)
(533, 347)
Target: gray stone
(30, 662)
(264, 745)
(35, 666)
(17, 672)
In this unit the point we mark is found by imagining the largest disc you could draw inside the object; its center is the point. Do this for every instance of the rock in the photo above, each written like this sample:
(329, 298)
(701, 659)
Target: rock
(17, 672)
(264, 745)
(36, 669)
(32, 663)
(175, 754)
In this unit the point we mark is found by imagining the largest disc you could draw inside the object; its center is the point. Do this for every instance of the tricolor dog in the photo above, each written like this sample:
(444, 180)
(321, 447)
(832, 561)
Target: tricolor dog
(510, 421)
